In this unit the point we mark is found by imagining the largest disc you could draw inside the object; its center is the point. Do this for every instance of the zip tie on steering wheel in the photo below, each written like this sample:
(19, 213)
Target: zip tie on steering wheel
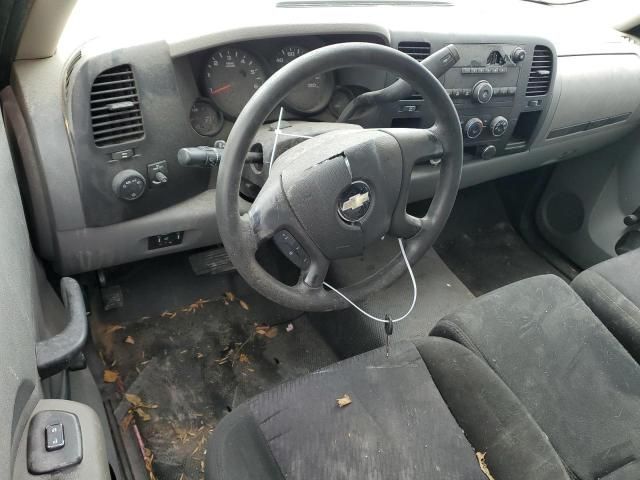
(382, 320)
(404, 255)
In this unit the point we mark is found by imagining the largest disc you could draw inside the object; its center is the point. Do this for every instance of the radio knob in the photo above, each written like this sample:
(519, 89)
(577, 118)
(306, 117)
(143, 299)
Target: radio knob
(518, 55)
(473, 128)
(129, 185)
(498, 126)
(482, 91)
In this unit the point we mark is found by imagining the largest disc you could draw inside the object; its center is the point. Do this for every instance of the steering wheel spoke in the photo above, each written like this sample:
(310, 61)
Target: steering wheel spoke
(314, 274)
(418, 146)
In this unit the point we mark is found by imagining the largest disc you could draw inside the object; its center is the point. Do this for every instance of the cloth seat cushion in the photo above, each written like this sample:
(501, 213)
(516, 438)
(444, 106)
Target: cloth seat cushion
(397, 427)
(612, 290)
(577, 382)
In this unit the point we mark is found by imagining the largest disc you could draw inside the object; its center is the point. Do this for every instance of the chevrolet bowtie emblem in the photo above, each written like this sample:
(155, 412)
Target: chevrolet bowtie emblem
(356, 201)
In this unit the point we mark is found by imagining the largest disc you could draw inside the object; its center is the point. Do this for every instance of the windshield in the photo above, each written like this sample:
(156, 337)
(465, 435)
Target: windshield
(161, 20)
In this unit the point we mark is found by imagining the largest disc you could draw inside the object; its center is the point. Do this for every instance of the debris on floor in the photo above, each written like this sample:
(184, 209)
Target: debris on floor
(182, 369)
(483, 465)
(344, 400)
(110, 376)
(267, 331)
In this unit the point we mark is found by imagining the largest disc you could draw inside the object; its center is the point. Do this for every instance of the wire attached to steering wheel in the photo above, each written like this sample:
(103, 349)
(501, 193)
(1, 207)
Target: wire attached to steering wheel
(386, 320)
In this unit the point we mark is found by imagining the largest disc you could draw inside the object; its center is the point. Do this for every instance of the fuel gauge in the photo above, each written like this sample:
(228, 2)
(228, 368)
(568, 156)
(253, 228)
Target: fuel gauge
(205, 119)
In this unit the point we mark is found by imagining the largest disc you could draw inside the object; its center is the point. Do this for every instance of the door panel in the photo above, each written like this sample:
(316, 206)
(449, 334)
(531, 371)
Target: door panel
(19, 307)
(23, 289)
(582, 210)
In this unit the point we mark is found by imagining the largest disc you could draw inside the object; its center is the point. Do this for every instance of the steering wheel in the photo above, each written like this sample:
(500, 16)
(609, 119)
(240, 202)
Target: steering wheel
(332, 195)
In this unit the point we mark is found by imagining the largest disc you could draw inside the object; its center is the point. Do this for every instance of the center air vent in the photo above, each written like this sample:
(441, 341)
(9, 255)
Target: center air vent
(115, 107)
(417, 50)
(541, 70)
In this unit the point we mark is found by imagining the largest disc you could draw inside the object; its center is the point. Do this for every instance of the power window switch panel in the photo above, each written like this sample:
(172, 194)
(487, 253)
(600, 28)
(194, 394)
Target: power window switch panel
(54, 437)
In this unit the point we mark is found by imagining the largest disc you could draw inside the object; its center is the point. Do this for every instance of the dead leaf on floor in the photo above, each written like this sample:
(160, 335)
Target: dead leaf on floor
(142, 414)
(226, 358)
(129, 340)
(199, 355)
(229, 296)
(133, 399)
(266, 331)
(167, 314)
(483, 465)
(110, 376)
(148, 463)
(243, 358)
(113, 328)
(344, 400)
(244, 305)
(126, 422)
(195, 306)
(136, 401)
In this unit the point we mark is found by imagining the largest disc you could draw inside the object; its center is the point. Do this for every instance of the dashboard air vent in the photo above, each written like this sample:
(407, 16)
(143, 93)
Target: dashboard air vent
(417, 50)
(541, 70)
(115, 107)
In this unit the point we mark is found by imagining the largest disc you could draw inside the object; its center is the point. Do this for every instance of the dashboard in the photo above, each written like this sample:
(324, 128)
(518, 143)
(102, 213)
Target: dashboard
(100, 152)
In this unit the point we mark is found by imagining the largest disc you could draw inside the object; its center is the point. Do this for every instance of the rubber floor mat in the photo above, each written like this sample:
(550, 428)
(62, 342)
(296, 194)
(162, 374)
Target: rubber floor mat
(482, 248)
(186, 359)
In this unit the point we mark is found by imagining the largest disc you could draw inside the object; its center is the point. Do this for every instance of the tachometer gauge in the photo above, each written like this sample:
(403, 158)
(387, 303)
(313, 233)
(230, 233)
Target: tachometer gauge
(312, 95)
(231, 77)
(205, 119)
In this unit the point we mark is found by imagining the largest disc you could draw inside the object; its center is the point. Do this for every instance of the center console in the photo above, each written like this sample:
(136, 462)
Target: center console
(499, 91)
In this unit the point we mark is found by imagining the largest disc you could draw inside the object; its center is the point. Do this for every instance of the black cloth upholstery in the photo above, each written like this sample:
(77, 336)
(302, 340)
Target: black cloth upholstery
(397, 427)
(492, 417)
(612, 290)
(578, 383)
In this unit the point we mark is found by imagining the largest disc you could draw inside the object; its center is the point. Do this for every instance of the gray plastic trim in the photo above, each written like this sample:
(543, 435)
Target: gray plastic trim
(94, 464)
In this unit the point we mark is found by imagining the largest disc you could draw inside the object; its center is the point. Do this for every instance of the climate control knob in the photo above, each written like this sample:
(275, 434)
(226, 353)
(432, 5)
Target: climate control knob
(518, 55)
(129, 185)
(482, 91)
(473, 128)
(498, 126)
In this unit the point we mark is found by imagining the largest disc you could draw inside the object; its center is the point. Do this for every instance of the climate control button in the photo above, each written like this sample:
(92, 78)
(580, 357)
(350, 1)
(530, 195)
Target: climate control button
(498, 126)
(482, 91)
(473, 128)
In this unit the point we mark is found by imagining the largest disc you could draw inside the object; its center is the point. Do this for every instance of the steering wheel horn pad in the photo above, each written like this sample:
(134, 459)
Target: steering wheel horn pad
(334, 194)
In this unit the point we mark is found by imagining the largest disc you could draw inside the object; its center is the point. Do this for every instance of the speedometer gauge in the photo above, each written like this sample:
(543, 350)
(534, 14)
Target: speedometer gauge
(231, 77)
(312, 95)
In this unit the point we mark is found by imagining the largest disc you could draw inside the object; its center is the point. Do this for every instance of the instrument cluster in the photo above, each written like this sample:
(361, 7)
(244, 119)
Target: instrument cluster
(229, 76)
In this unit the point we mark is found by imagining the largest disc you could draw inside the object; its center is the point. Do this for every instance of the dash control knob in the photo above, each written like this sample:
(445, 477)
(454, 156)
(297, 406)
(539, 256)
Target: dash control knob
(473, 128)
(498, 126)
(518, 55)
(129, 185)
(482, 91)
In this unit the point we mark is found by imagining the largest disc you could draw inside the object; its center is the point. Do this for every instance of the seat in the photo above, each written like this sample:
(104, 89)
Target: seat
(575, 379)
(398, 425)
(612, 291)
